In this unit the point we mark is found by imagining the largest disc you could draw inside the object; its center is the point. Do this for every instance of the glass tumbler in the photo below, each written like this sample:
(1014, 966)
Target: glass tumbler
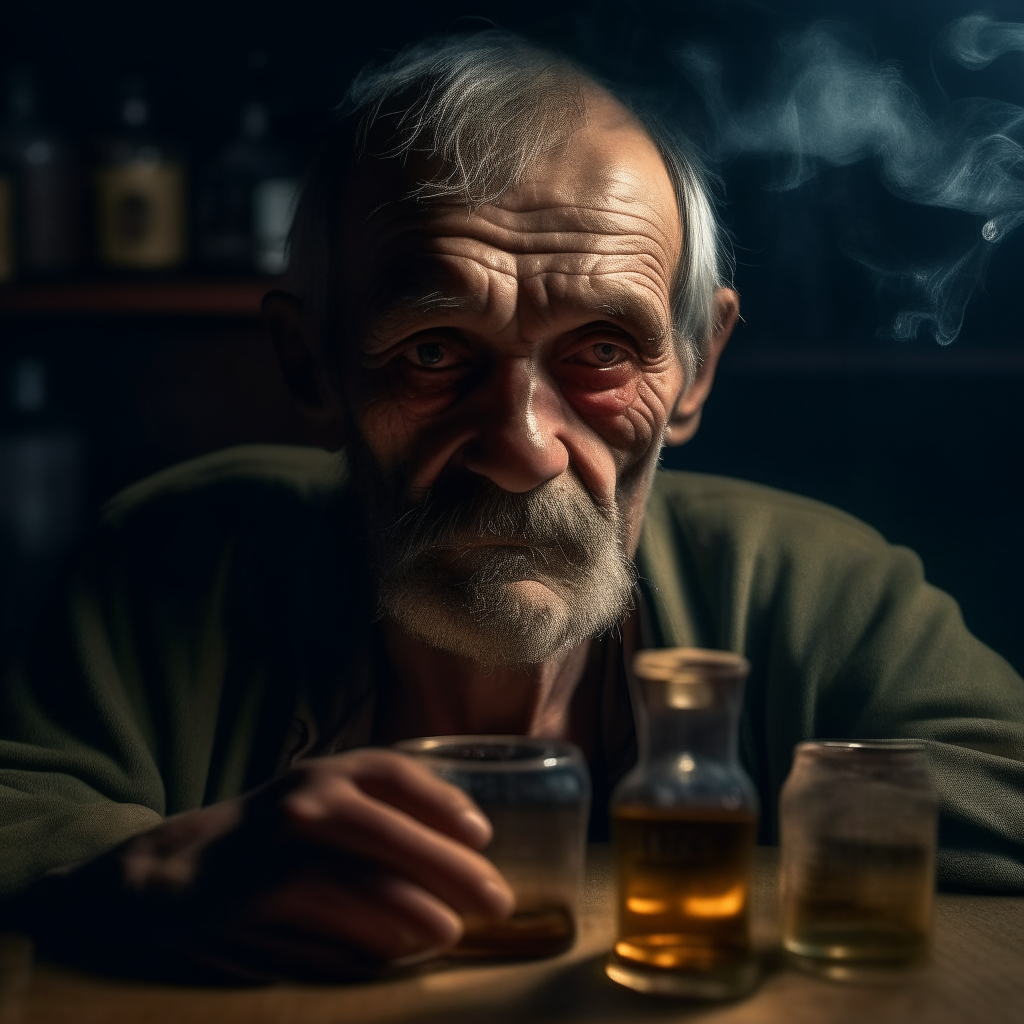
(536, 793)
(858, 833)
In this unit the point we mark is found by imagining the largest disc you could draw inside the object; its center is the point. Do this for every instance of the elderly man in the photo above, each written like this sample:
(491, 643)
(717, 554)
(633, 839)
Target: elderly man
(507, 293)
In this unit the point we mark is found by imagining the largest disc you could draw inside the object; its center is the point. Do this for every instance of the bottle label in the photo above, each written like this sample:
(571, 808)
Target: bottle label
(6, 230)
(141, 210)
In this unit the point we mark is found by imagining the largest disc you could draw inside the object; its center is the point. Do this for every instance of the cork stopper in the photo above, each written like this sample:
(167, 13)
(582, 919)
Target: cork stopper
(689, 674)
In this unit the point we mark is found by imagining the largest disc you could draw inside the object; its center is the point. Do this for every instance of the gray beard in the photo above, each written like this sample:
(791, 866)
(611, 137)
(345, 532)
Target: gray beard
(503, 579)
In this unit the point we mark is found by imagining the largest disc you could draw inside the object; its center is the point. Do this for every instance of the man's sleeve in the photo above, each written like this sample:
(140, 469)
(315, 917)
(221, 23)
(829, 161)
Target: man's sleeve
(115, 702)
(847, 640)
(862, 646)
(917, 671)
(77, 771)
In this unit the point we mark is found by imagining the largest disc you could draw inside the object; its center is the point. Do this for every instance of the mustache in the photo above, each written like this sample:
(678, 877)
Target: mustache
(559, 519)
(445, 566)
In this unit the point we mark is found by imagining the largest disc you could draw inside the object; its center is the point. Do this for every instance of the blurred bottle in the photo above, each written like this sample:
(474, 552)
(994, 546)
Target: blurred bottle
(42, 190)
(140, 193)
(6, 223)
(247, 201)
(40, 490)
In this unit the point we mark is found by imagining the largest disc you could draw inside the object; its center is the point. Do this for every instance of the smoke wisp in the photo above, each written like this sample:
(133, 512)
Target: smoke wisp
(828, 104)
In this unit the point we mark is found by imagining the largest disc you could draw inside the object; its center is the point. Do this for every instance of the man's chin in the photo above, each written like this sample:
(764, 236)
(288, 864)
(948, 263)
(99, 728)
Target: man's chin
(526, 624)
(537, 595)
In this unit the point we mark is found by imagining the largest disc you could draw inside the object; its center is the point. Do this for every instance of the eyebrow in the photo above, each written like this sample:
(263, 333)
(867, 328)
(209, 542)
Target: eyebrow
(404, 312)
(644, 323)
(397, 315)
(403, 299)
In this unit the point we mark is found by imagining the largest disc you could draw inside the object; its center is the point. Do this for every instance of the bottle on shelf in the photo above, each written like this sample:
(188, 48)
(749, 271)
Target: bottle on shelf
(40, 495)
(247, 200)
(140, 193)
(43, 196)
(6, 223)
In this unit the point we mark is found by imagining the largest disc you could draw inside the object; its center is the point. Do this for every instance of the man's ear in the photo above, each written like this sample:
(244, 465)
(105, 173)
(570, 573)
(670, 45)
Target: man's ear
(685, 418)
(302, 364)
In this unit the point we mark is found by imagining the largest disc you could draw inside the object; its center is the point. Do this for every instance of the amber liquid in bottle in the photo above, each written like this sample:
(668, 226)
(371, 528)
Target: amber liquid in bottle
(683, 883)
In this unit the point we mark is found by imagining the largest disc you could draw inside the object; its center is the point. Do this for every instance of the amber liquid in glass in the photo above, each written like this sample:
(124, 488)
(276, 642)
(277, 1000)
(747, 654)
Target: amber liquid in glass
(539, 932)
(526, 852)
(684, 887)
(857, 901)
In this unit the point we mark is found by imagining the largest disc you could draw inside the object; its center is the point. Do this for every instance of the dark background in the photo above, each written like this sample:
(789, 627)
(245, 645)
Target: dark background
(923, 442)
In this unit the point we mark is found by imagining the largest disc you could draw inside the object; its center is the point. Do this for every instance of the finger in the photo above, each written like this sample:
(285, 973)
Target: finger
(379, 913)
(409, 785)
(335, 813)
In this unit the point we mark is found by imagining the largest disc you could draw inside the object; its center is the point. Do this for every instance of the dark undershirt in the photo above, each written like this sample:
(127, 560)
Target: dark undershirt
(600, 720)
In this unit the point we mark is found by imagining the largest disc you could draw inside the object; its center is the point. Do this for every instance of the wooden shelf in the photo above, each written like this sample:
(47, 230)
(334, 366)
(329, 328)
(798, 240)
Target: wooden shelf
(238, 299)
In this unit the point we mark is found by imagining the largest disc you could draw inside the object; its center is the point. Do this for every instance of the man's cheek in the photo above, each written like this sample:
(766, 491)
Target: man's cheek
(388, 428)
(391, 422)
(625, 417)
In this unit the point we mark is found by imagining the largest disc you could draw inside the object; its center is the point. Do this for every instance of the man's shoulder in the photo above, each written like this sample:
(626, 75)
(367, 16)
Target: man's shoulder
(247, 477)
(724, 557)
(737, 512)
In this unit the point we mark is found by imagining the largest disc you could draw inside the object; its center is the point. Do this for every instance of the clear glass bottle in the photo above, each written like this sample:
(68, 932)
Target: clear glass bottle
(684, 824)
(40, 497)
(858, 829)
(44, 179)
(247, 198)
(7, 264)
(140, 193)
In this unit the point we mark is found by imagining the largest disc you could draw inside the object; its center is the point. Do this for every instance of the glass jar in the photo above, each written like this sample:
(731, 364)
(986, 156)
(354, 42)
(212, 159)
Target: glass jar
(858, 831)
(684, 823)
(536, 794)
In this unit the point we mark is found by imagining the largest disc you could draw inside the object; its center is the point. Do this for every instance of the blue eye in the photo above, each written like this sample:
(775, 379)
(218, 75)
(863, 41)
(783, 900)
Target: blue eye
(429, 354)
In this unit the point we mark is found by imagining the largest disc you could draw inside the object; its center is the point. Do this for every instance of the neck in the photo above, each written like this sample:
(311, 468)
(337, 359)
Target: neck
(439, 694)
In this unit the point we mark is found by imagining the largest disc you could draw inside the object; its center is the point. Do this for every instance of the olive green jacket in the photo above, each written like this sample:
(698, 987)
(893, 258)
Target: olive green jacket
(220, 624)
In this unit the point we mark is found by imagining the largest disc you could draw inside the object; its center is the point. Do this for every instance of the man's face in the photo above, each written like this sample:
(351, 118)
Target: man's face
(509, 380)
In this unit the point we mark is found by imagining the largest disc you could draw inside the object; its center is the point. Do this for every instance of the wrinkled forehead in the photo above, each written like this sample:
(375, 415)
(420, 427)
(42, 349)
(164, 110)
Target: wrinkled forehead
(610, 163)
(607, 179)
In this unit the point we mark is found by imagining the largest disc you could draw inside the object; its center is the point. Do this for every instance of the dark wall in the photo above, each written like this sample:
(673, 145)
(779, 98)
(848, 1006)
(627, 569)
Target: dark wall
(814, 396)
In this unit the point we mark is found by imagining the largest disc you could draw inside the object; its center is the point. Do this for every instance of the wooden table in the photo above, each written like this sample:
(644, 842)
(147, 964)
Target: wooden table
(976, 974)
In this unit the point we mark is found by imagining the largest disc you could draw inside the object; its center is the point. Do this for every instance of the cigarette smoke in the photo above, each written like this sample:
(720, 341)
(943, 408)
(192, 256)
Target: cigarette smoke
(826, 103)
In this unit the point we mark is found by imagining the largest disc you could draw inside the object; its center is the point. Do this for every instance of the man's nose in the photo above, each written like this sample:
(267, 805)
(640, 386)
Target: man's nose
(516, 444)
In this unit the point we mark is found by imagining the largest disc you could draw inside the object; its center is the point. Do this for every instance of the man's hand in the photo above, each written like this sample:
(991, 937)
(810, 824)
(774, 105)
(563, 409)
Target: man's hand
(351, 860)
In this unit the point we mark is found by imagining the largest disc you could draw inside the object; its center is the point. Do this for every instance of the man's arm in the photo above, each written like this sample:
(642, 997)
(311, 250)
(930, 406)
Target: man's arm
(915, 670)
(134, 705)
(78, 771)
(345, 864)
(341, 864)
(846, 640)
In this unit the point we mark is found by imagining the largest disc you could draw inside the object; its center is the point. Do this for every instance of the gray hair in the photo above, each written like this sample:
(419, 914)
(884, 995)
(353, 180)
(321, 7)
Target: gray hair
(481, 109)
